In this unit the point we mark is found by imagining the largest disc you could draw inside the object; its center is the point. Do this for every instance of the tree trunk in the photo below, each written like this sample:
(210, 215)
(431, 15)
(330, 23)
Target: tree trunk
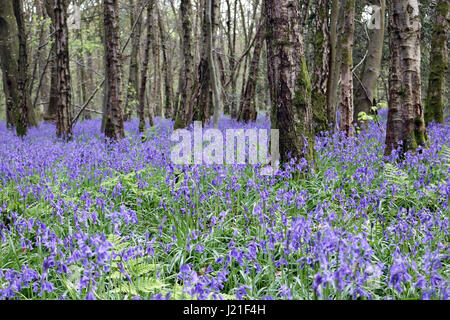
(346, 43)
(247, 108)
(334, 62)
(113, 117)
(64, 119)
(405, 124)
(156, 69)
(365, 89)
(133, 78)
(183, 109)
(13, 60)
(434, 106)
(52, 108)
(144, 73)
(79, 56)
(202, 102)
(214, 24)
(168, 92)
(288, 80)
(321, 66)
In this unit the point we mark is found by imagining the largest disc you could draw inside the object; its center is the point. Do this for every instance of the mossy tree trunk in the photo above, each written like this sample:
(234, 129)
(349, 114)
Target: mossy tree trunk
(13, 59)
(365, 88)
(113, 116)
(434, 105)
(289, 80)
(405, 124)
(321, 66)
(346, 44)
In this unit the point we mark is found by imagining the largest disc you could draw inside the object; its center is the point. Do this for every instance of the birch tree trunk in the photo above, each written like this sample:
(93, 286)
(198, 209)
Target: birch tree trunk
(405, 124)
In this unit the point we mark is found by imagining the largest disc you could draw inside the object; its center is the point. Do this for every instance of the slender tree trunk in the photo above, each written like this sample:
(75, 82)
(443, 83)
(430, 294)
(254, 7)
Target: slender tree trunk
(43, 70)
(133, 94)
(247, 108)
(64, 119)
(24, 79)
(288, 80)
(321, 66)
(144, 73)
(113, 116)
(168, 91)
(214, 25)
(52, 108)
(334, 62)
(156, 69)
(346, 43)
(434, 106)
(183, 109)
(79, 56)
(365, 89)
(405, 124)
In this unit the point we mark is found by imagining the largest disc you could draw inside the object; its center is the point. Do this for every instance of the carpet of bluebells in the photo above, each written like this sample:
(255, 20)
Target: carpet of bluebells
(94, 220)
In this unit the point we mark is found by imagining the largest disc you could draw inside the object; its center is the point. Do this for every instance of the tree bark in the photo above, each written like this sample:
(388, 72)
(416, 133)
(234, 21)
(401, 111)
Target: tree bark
(183, 109)
(79, 56)
(434, 106)
(334, 62)
(64, 116)
(247, 108)
(321, 66)
(365, 90)
(144, 73)
(133, 78)
(13, 61)
(202, 100)
(405, 124)
(168, 90)
(346, 43)
(288, 80)
(113, 116)
(51, 114)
